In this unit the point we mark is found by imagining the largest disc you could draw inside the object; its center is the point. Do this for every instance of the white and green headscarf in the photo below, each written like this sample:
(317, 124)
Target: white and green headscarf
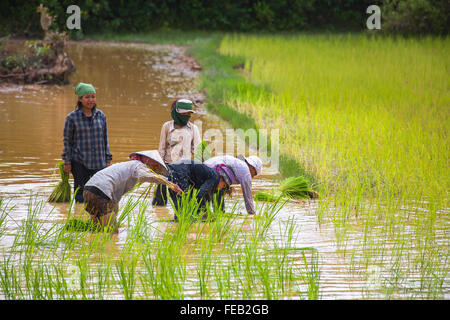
(181, 111)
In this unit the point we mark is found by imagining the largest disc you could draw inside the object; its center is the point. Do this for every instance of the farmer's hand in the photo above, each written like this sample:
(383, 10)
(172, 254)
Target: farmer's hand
(67, 168)
(177, 189)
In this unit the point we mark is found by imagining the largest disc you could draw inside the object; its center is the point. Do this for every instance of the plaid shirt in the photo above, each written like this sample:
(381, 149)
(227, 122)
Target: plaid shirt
(86, 139)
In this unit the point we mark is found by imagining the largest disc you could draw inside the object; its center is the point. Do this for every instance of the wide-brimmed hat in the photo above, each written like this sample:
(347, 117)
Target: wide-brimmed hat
(254, 161)
(155, 156)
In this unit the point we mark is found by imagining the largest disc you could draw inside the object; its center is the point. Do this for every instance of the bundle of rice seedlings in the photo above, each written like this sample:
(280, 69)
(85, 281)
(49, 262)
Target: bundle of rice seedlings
(296, 188)
(62, 191)
(291, 188)
(265, 196)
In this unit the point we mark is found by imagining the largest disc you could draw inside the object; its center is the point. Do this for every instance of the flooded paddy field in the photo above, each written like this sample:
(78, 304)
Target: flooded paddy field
(293, 250)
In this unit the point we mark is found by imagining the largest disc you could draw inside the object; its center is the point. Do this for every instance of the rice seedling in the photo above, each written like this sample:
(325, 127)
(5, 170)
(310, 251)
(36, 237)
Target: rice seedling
(62, 192)
(126, 269)
(165, 270)
(266, 215)
(4, 213)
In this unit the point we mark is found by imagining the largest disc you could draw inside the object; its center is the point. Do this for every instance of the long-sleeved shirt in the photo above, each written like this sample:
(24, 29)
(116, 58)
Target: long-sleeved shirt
(239, 175)
(86, 139)
(178, 144)
(195, 174)
(117, 179)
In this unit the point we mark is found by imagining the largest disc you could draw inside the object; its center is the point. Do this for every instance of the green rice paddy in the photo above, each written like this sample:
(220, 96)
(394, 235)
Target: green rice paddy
(226, 257)
(365, 118)
(368, 116)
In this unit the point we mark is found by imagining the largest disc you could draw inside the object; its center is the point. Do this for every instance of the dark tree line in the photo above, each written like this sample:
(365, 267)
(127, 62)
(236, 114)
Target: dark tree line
(19, 17)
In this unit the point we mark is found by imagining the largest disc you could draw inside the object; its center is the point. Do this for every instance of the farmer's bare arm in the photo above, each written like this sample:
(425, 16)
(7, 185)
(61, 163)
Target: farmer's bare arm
(67, 168)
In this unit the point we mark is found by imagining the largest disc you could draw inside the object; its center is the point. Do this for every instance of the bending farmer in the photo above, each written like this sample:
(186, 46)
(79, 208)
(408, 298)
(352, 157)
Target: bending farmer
(240, 170)
(104, 190)
(194, 174)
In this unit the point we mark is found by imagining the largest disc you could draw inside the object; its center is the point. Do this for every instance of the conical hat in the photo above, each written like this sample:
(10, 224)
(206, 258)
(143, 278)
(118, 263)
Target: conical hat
(155, 156)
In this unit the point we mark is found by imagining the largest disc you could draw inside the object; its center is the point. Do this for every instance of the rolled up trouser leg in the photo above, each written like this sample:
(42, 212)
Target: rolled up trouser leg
(101, 210)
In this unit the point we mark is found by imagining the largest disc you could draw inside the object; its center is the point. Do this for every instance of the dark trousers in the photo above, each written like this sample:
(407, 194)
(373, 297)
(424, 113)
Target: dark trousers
(81, 175)
(160, 196)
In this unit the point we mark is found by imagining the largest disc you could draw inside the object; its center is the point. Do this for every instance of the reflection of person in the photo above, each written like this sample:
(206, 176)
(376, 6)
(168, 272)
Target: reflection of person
(178, 140)
(104, 190)
(240, 170)
(86, 146)
(194, 174)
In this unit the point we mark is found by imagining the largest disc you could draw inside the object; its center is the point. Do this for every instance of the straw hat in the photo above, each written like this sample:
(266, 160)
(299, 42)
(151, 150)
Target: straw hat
(155, 156)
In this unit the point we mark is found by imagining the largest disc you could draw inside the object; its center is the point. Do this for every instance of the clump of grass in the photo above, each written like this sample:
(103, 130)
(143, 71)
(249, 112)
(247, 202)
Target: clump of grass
(79, 225)
(62, 192)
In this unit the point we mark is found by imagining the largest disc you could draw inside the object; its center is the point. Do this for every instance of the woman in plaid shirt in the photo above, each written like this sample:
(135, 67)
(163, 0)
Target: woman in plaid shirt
(86, 146)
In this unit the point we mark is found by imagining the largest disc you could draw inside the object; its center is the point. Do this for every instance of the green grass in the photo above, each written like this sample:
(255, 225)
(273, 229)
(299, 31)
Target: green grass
(367, 118)
(364, 112)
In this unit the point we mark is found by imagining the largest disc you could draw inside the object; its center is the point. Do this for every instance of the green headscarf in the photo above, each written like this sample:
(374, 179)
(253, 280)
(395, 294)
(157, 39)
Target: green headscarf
(84, 88)
(181, 119)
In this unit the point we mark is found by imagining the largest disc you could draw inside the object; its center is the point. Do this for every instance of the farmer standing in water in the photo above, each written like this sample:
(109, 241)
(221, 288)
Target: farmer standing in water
(86, 146)
(178, 140)
(192, 174)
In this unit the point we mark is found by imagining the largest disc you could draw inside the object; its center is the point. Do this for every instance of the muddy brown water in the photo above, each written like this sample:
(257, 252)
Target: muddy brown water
(135, 85)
